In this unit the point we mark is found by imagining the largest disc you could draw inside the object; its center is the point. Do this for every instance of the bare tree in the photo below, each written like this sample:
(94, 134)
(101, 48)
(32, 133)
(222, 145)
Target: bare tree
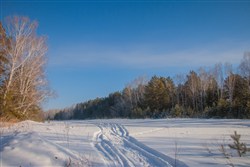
(219, 77)
(133, 94)
(230, 83)
(245, 67)
(25, 86)
(138, 86)
(204, 84)
(180, 80)
(193, 84)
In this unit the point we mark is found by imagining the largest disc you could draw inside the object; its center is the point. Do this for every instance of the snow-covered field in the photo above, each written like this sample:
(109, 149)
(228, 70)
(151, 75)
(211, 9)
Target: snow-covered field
(123, 142)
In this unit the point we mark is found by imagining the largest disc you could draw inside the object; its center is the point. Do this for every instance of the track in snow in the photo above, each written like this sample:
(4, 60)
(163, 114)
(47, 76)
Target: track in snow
(119, 149)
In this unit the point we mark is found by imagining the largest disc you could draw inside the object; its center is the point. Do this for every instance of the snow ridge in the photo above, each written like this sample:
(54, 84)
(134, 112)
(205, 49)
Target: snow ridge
(117, 148)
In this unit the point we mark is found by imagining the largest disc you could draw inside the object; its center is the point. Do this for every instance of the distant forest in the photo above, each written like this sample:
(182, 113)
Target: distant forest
(220, 91)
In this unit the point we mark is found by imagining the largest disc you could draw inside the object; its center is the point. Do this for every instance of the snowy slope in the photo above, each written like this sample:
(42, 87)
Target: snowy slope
(122, 142)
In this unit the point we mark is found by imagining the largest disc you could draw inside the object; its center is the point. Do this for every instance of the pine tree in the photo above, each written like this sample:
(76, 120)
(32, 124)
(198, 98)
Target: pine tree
(4, 48)
(159, 94)
(241, 148)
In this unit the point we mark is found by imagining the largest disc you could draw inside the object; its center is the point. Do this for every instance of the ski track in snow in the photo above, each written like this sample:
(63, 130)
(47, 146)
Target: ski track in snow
(117, 148)
(100, 143)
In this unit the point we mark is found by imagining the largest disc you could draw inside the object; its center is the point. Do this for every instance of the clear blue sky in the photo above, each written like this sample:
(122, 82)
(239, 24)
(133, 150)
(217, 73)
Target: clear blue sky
(96, 48)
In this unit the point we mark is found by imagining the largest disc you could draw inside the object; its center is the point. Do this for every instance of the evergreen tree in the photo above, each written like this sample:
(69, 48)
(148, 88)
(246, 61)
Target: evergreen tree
(241, 96)
(159, 94)
(4, 47)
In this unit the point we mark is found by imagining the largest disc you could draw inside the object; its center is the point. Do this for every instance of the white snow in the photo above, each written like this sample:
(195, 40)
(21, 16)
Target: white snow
(123, 142)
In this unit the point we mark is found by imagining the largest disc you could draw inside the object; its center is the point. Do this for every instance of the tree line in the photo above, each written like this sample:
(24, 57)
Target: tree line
(217, 92)
(23, 85)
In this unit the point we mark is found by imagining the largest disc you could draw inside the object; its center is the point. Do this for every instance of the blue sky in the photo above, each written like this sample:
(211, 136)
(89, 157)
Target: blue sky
(97, 47)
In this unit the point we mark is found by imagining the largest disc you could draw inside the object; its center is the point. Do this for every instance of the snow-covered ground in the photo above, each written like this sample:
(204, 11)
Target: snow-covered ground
(123, 142)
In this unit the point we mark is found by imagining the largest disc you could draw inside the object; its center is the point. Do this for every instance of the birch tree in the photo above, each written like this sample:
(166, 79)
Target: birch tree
(180, 80)
(25, 86)
(218, 74)
(193, 85)
(229, 84)
(204, 84)
(245, 67)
